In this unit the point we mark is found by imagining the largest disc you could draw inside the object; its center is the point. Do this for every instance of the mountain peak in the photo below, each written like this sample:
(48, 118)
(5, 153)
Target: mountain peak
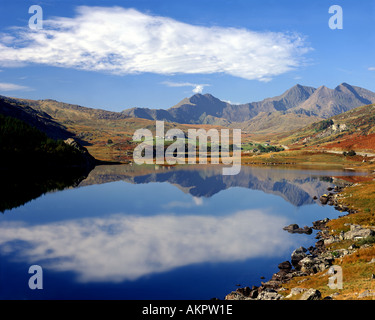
(298, 88)
(199, 98)
(344, 85)
(323, 89)
(292, 97)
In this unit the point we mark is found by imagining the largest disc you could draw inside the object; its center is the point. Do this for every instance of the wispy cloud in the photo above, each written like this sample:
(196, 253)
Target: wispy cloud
(197, 88)
(13, 87)
(231, 102)
(126, 41)
(372, 68)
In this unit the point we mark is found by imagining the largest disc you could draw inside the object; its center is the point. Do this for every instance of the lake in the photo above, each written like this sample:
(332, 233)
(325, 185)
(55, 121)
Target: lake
(150, 232)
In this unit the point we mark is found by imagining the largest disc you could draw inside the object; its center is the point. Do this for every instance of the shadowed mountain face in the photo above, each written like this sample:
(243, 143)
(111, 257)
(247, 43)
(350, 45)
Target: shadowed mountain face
(38, 119)
(206, 109)
(296, 187)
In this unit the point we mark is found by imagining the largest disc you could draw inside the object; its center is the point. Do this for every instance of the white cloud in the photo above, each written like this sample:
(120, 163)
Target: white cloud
(231, 102)
(372, 68)
(126, 41)
(197, 88)
(13, 87)
(125, 247)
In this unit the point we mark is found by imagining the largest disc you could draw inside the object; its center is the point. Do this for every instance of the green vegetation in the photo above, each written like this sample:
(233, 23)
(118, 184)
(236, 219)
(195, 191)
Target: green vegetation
(368, 240)
(262, 148)
(267, 149)
(322, 125)
(21, 144)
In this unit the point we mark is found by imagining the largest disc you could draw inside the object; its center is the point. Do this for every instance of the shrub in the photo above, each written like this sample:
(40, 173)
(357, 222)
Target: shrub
(322, 125)
(368, 240)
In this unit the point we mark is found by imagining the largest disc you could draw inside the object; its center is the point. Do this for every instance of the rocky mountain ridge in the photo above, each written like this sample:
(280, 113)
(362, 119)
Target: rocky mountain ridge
(319, 103)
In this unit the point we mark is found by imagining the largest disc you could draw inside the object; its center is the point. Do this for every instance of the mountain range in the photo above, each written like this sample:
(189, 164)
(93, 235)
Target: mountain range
(288, 117)
(301, 102)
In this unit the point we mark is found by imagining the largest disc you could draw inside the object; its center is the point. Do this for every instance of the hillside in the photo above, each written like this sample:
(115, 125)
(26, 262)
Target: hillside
(351, 130)
(265, 123)
(28, 148)
(22, 110)
(106, 134)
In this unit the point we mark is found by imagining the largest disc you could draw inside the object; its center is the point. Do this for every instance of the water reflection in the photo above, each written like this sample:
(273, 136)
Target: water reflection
(136, 225)
(296, 186)
(122, 247)
(20, 186)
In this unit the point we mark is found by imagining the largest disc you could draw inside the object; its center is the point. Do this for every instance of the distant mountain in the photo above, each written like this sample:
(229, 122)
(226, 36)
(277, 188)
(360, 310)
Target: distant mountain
(326, 103)
(320, 103)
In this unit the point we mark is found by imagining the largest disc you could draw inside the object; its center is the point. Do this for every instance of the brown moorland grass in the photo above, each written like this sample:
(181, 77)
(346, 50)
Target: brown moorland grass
(357, 271)
(361, 197)
(358, 268)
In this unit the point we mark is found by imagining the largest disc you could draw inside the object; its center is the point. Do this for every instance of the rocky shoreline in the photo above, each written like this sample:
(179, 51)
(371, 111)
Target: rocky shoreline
(305, 262)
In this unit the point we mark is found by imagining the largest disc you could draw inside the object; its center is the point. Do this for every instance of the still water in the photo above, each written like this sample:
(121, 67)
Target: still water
(159, 233)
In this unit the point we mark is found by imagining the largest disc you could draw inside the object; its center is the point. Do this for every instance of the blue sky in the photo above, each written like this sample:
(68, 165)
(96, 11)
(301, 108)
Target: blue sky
(153, 53)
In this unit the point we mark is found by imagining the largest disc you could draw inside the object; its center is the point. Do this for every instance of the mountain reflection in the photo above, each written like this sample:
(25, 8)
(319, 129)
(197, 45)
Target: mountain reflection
(122, 247)
(296, 187)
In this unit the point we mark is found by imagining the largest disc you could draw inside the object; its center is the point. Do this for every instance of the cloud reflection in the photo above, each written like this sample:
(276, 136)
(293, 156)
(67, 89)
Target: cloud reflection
(182, 204)
(122, 247)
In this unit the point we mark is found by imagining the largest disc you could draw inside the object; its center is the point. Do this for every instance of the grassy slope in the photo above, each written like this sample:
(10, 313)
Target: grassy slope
(359, 133)
(357, 267)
